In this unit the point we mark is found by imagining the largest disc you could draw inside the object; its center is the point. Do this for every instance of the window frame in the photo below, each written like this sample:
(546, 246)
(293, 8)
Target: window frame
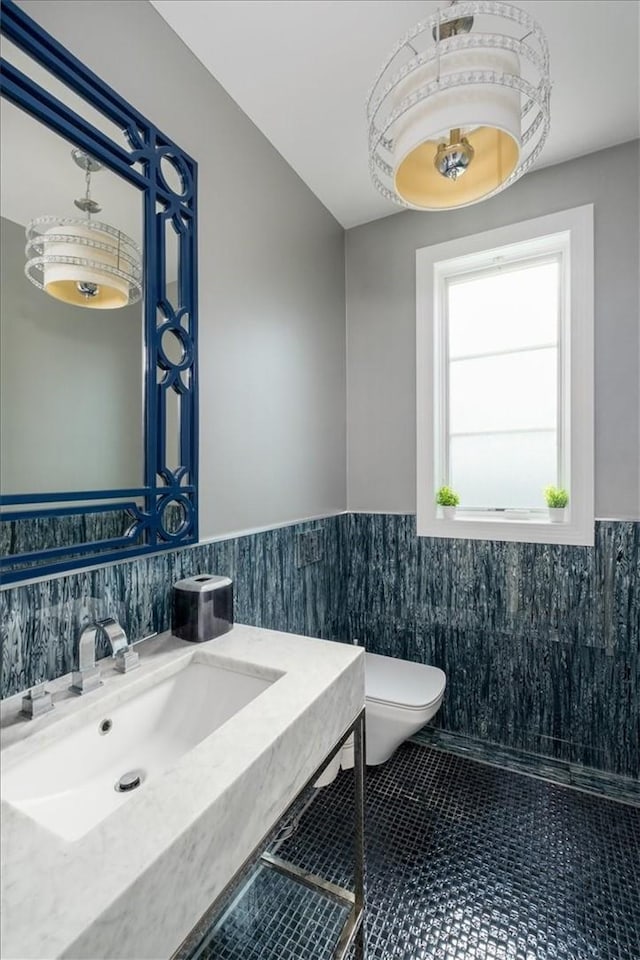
(570, 233)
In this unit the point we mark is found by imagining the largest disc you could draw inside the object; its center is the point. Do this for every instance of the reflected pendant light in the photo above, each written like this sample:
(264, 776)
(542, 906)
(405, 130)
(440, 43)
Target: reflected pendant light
(83, 261)
(460, 108)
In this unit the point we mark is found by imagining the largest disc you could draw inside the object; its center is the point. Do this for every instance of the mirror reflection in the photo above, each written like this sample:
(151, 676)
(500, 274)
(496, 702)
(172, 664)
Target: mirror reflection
(124, 137)
(71, 322)
(93, 394)
(172, 413)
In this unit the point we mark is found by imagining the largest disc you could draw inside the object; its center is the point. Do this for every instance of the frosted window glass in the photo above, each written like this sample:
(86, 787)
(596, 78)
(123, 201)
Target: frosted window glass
(504, 311)
(512, 391)
(503, 469)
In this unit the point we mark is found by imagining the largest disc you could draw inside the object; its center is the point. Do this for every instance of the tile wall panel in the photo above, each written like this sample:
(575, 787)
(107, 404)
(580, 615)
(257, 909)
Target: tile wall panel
(540, 643)
(40, 623)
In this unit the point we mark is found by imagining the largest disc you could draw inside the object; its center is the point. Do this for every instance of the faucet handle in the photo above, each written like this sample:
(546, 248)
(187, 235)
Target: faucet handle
(37, 701)
(127, 659)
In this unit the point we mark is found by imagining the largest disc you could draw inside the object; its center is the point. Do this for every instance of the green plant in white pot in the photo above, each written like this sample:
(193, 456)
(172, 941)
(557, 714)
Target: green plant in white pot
(557, 499)
(448, 500)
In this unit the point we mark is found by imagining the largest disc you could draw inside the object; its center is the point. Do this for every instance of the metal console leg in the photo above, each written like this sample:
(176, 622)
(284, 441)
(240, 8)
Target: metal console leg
(358, 770)
(353, 932)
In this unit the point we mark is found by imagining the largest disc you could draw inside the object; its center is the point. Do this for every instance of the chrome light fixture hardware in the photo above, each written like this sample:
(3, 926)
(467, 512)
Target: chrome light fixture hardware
(451, 28)
(89, 165)
(465, 91)
(452, 159)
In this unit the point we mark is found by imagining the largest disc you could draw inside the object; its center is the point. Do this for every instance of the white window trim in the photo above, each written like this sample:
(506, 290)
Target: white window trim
(576, 226)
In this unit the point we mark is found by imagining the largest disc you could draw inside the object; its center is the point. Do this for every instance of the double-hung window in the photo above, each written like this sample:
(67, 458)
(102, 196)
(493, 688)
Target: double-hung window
(505, 380)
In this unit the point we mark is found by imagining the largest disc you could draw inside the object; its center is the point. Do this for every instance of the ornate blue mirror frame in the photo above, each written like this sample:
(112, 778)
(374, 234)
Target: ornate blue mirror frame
(167, 494)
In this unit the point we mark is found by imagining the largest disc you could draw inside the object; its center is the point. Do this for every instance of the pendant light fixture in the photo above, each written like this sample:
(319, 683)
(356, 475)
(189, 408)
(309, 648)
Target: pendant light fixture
(460, 108)
(82, 261)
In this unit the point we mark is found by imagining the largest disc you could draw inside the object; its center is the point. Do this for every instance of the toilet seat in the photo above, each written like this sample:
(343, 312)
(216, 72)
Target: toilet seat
(400, 683)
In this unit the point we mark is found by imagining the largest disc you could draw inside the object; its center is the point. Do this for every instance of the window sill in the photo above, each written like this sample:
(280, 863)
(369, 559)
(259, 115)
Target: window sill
(522, 530)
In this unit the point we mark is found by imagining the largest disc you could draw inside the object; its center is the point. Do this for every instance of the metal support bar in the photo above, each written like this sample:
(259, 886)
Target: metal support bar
(359, 852)
(311, 880)
(352, 931)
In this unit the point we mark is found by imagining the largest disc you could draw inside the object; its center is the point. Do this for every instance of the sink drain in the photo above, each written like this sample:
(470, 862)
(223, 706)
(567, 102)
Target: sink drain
(129, 781)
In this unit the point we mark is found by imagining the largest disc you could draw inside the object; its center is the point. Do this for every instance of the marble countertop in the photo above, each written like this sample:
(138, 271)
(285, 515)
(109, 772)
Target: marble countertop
(136, 884)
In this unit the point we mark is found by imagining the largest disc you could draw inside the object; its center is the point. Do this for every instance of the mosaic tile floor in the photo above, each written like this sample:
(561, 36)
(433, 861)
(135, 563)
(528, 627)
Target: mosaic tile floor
(466, 861)
(275, 919)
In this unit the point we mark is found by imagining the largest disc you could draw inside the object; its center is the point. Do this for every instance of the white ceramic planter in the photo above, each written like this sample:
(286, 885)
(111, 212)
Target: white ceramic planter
(449, 513)
(557, 514)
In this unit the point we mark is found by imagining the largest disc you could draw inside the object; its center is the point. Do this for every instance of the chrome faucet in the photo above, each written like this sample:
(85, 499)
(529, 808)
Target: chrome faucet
(87, 676)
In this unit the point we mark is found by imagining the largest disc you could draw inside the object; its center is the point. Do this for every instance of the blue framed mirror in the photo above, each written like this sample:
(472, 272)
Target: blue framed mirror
(98, 328)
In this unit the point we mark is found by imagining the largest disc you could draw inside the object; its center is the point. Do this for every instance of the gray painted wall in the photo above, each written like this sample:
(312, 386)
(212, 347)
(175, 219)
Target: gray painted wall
(272, 364)
(380, 257)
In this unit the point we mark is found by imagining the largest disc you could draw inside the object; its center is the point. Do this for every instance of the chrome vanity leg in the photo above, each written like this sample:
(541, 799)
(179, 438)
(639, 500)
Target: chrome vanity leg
(358, 769)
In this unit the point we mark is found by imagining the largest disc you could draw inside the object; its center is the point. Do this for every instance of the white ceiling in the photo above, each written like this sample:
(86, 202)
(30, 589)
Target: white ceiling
(301, 70)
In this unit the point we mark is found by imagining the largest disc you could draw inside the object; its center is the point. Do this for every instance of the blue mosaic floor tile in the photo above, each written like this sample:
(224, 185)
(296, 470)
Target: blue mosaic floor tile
(275, 918)
(466, 861)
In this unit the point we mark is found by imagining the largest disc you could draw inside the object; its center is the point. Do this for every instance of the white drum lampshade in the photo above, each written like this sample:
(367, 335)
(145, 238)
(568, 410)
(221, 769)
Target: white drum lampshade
(88, 264)
(84, 262)
(487, 118)
(458, 111)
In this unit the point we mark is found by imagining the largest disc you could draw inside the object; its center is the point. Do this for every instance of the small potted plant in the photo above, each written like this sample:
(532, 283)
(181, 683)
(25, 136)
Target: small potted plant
(448, 499)
(557, 499)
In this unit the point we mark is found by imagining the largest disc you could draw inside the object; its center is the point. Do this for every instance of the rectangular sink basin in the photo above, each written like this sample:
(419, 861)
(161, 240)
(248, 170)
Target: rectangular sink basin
(72, 785)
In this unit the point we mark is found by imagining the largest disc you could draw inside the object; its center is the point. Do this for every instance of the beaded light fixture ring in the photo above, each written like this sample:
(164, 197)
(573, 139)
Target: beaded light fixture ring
(467, 114)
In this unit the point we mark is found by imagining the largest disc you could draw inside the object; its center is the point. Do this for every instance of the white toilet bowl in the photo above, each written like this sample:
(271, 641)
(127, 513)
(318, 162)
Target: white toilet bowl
(400, 697)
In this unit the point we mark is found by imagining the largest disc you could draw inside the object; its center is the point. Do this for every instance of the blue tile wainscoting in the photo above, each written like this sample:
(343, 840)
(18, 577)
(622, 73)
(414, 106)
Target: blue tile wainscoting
(275, 586)
(540, 643)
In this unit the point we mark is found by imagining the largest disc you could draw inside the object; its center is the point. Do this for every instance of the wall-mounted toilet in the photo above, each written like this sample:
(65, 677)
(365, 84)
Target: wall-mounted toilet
(400, 698)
